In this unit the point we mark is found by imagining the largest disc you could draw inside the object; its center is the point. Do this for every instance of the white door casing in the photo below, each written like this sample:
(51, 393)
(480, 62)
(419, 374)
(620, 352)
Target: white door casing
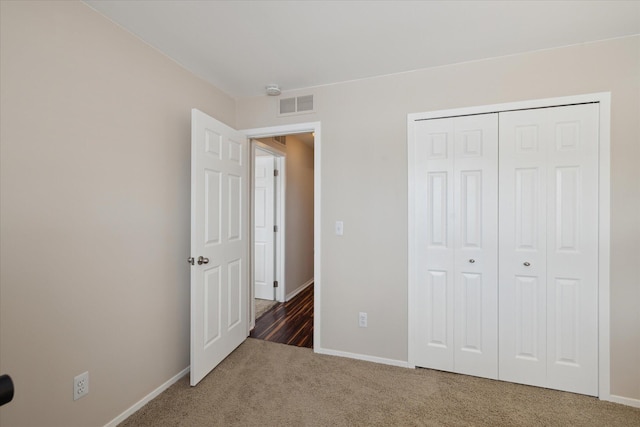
(455, 164)
(219, 233)
(549, 247)
(264, 223)
(316, 129)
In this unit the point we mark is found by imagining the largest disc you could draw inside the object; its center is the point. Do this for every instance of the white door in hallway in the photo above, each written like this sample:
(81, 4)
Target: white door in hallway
(264, 210)
(219, 242)
(549, 247)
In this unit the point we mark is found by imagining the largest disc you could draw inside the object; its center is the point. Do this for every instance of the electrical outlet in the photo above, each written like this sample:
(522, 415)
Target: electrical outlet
(362, 319)
(81, 385)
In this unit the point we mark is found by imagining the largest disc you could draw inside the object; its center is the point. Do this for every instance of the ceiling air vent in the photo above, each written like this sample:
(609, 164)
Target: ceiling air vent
(287, 105)
(296, 105)
(304, 103)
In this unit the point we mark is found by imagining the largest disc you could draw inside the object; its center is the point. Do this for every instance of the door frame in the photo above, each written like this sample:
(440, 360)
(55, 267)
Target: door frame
(315, 128)
(280, 186)
(604, 221)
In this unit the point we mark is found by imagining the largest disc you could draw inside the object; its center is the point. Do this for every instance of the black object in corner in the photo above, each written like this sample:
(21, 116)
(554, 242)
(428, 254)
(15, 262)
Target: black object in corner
(6, 389)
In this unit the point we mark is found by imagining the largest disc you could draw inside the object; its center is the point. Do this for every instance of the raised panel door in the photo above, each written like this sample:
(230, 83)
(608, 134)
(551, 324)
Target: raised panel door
(476, 245)
(219, 284)
(434, 157)
(548, 247)
(572, 266)
(522, 255)
(456, 202)
(264, 223)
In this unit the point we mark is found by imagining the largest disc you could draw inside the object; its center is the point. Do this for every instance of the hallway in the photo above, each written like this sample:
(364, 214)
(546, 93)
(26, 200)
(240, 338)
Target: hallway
(288, 323)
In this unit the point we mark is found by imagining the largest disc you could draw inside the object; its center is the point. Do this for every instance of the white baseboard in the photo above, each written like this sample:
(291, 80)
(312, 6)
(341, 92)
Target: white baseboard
(623, 400)
(148, 398)
(300, 289)
(364, 357)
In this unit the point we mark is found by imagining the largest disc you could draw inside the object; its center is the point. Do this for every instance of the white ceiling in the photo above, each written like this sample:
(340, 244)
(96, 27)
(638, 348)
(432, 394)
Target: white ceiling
(241, 46)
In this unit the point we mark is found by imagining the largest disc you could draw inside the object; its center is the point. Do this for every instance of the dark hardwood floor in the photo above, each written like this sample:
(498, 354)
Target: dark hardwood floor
(288, 323)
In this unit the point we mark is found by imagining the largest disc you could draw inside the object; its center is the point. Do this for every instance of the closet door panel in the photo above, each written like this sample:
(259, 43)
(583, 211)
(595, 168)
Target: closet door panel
(572, 267)
(476, 245)
(434, 152)
(548, 247)
(522, 256)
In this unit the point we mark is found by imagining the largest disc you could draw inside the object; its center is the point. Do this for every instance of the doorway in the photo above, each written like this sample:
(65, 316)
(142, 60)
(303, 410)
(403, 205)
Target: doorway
(221, 212)
(285, 220)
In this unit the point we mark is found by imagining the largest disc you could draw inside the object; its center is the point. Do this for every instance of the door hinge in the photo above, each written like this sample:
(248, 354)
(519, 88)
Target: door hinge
(275, 228)
(276, 172)
(275, 283)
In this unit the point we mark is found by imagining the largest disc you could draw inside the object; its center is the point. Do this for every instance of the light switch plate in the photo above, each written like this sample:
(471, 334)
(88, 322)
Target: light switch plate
(339, 228)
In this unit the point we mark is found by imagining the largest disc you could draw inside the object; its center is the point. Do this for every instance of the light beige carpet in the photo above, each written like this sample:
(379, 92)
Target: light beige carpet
(263, 305)
(269, 384)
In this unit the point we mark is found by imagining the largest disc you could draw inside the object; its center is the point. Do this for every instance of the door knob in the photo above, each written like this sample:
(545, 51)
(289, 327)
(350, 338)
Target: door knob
(526, 264)
(190, 260)
(472, 261)
(203, 260)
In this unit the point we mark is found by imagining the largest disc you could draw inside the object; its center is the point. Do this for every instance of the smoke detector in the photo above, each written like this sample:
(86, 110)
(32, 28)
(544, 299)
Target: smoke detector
(273, 90)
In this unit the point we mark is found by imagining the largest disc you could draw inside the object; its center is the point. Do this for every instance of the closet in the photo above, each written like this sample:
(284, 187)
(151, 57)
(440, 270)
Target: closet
(504, 245)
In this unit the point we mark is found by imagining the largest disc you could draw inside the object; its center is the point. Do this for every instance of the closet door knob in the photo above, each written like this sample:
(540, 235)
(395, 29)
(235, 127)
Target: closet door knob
(190, 260)
(203, 260)
(526, 264)
(472, 261)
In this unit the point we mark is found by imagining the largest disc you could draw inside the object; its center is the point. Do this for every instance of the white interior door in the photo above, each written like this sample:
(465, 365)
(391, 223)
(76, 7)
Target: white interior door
(523, 244)
(456, 250)
(476, 245)
(549, 247)
(264, 220)
(219, 242)
(434, 248)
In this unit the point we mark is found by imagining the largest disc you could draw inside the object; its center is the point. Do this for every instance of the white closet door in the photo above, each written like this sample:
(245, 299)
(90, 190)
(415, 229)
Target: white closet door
(548, 247)
(434, 151)
(476, 245)
(572, 249)
(456, 225)
(523, 242)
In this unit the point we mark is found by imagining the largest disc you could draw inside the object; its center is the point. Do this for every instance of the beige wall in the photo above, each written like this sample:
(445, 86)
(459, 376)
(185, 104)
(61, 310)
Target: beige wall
(298, 213)
(95, 189)
(364, 183)
(94, 199)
